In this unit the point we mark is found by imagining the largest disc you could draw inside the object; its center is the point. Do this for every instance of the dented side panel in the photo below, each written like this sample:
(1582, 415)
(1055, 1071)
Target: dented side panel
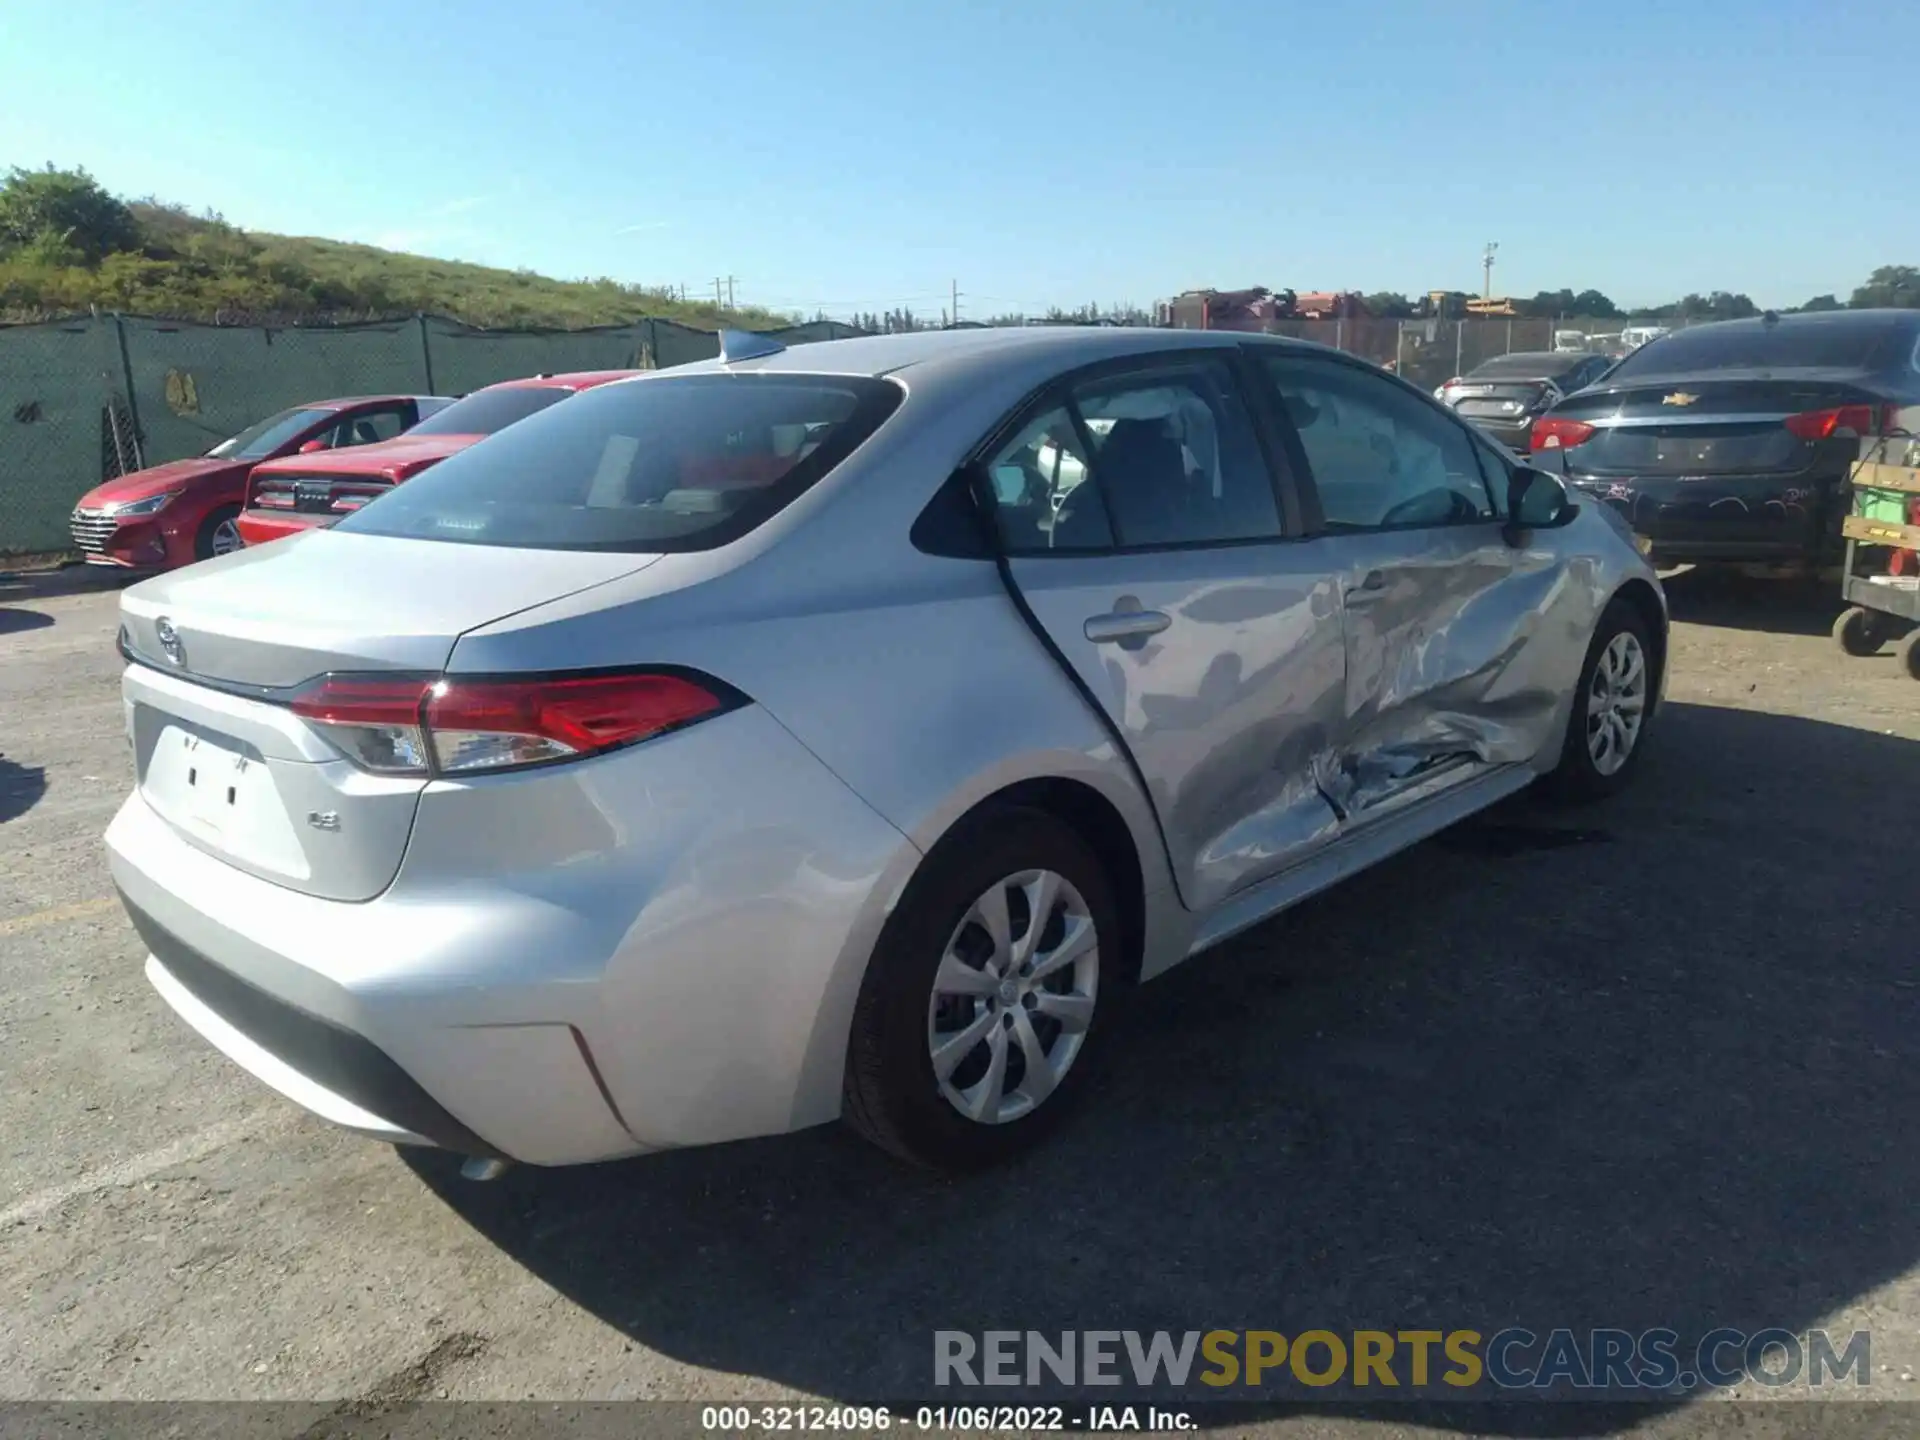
(1234, 711)
(1460, 650)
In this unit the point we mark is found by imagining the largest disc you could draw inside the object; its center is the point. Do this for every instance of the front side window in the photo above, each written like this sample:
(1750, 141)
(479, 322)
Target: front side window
(683, 462)
(1138, 460)
(1381, 458)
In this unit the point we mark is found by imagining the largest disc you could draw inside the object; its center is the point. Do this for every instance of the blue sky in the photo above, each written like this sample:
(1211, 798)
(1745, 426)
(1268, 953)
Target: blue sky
(843, 155)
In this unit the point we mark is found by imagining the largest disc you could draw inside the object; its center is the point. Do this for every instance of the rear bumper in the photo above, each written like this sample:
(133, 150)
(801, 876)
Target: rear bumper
(338, 1075)
(1727, 517)
(257, 527)
(660, 947)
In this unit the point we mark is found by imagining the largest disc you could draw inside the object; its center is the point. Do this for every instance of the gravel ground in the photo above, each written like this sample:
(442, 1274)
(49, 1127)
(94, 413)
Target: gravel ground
(1650, 1064)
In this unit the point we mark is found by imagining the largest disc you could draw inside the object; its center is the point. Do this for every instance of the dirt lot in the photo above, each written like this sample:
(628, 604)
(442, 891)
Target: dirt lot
(1657, 1063)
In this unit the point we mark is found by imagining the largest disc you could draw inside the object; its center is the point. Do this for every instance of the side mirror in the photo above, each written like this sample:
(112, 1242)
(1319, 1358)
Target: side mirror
(1536, 501)
(311, 446)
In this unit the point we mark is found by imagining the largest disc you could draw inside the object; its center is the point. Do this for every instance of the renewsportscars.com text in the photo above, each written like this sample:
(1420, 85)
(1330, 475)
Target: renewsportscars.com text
(1456, 1361)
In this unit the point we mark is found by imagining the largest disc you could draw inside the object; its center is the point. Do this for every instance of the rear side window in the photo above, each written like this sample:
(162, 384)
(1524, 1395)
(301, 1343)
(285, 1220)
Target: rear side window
(485, 411)
(1137, 460)
(1846, 344)
(677, 463)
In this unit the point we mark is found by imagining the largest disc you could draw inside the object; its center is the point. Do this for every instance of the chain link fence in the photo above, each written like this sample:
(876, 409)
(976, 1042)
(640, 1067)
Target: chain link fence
(1431, 352)
(87, 399)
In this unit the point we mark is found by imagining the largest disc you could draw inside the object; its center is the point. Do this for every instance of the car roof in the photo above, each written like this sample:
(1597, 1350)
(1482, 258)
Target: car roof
(1060, 347)
(571, 380)
(1868, 321)
(343, 402)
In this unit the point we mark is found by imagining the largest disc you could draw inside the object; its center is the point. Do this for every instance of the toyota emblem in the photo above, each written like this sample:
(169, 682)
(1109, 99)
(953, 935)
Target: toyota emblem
(169, 639)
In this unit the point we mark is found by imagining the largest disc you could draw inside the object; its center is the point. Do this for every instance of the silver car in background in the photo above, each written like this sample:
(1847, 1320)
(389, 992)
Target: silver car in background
(843, 731)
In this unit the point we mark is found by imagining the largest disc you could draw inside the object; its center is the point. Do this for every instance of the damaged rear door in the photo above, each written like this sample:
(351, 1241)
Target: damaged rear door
(1147, 541)
(1445, 625)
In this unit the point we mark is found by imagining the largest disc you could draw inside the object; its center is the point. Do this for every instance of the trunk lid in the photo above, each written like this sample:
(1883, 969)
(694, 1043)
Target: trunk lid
(216, 646)
(1729, 423)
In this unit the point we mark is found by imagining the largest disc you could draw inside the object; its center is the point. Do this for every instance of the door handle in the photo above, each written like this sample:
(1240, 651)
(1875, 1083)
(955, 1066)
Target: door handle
(1371, 587)
(1120, 626)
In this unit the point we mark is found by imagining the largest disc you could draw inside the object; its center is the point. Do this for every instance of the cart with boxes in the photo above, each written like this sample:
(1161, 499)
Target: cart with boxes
(1881, 584)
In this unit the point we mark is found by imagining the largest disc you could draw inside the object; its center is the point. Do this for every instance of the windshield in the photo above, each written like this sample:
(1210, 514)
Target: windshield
(682, 463)
(486, 411)
(1849, 344)
(258, 441)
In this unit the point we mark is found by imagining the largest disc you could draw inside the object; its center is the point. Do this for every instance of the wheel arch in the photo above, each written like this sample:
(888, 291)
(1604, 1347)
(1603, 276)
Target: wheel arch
(1096, 820)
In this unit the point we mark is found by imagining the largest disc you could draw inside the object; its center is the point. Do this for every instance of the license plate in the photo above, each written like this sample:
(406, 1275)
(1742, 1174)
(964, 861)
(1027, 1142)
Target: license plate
(203, 784)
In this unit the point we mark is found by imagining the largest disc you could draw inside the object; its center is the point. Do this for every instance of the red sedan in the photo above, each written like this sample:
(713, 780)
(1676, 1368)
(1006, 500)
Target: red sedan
(306, 492)
(174, 514)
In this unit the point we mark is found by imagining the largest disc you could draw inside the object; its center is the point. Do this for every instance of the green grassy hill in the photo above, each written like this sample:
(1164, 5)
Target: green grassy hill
(190, 267)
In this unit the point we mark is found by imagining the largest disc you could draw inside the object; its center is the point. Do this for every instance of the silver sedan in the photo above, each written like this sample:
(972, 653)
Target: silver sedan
(843, 731)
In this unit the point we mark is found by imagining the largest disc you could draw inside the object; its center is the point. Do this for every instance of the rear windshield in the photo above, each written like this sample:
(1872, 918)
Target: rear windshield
(1831, 344)
(685, 462)
(486, 411)
(1528, 367)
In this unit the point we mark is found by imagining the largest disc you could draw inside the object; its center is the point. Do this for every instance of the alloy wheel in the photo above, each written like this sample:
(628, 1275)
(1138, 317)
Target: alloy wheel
(226, 538)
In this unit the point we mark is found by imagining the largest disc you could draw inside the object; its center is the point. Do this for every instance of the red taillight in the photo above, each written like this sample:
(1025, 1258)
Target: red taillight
(274, 500)
(483, 724)
(374, 720)
(1824, 424)
(1554, 432)
(411, 724)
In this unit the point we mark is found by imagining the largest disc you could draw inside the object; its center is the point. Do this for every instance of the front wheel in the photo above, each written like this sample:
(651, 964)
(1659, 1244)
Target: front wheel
(1610, 709)
(219, 534)
(987, 994)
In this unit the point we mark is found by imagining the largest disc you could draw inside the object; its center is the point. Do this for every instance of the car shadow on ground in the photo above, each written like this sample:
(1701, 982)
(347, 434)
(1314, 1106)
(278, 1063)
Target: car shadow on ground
(13, 620)
(1652, 1063)
(1705, 596)
(21, 787)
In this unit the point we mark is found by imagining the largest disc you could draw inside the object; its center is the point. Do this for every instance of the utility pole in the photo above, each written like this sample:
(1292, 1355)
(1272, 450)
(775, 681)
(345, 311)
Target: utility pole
(730, 280)
(955, 313)
(717, 301)
(1486, 268)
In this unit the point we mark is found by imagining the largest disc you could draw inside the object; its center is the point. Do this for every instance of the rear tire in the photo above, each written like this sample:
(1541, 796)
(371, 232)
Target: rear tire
(1611, 707)
(219, 534)
(1015, 1045)
(1860, 631)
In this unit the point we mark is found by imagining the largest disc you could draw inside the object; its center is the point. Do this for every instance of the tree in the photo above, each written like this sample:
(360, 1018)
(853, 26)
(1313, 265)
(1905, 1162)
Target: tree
(1720, 305)
(1389, 305)
(1821, 302)
(1897, 286)
(1595, 305)
(39, 208)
